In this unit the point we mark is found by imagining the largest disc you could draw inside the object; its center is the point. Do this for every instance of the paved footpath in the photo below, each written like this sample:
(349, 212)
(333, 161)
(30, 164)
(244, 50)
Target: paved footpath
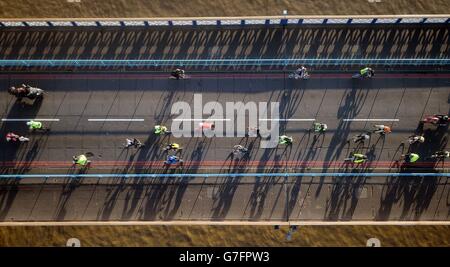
(315, 41)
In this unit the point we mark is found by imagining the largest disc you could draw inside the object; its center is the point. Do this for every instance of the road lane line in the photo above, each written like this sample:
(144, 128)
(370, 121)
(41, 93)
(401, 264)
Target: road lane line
(151, 76)
(114, 120)
(34, 119)
(287, 119)
(294, 164)
(371, 120)
(213, 175)
(201, 119)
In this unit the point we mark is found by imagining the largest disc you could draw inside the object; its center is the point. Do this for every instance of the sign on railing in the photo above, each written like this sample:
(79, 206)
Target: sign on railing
(225, 62)
(225, 21)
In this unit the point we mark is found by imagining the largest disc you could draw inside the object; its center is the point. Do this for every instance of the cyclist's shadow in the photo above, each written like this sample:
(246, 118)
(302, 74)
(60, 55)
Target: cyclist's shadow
(318, 138)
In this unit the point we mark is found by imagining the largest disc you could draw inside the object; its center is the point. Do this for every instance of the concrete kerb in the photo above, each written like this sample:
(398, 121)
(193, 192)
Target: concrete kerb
(224, 223)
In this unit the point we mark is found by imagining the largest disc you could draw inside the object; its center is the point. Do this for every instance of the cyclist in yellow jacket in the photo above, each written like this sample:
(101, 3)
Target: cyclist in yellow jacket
(367, 72)
(81, 160)
(161, 130)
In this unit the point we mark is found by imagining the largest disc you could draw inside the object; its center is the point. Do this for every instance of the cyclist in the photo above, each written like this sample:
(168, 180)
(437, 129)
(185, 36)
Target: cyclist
(173, 160)
(367, 72)
(207, 125)
(172, 146)
(416, 138)
(19, 92)
(133, 142)
(161, 130)
(178, 74)
(15, 137)
(357, 158)
(80, 160)
(411, 157)
(285, 140)
(382, 129)
(301, 72)
(441, 154)
(443, 119)
(253, 131)
(35, 125)
(361, 137)
(320, 127)
(431, 119)
(239, 151)
(440, 120)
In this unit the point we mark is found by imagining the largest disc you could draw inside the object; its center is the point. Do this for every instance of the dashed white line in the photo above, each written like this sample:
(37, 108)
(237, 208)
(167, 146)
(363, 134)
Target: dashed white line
(371, 120)
(34, 119)
(118, 120)
(114, 120)
(201, 119)
(287, 119)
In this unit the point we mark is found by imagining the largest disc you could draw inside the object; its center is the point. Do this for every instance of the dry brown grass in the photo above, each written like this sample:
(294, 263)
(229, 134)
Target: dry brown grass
(192, 8)
(237, 236)
(219, 235)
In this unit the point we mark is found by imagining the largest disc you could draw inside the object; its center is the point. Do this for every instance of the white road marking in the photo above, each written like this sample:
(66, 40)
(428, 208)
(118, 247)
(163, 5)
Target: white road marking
(371, 120)
(34, 119)
(107, 120)
(287, 119)
(201, 119)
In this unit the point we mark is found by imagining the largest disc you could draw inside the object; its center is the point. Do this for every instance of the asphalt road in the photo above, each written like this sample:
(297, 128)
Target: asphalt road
(329, 98)
(264, 199)
(76, 98)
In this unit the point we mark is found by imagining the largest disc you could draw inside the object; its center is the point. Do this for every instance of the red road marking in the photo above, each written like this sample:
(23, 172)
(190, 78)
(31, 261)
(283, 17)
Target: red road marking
(150, 76)
(217, 163)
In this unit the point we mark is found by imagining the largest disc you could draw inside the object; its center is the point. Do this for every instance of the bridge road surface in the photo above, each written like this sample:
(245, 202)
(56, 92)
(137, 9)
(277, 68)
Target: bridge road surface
(76, 98)
(146, 100)
(71, 99)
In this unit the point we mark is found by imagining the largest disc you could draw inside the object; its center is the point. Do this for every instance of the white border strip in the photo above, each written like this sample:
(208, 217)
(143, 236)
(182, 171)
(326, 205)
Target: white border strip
(190, 21)
(13, 23)
(61, 23)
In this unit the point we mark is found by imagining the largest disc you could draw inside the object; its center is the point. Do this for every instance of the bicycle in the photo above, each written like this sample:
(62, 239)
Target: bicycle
(356, 158)
(416, 138)
(296, 76)
(440, 155)
(319, 127)
(175, 147)
(361, 137)
(133, 142)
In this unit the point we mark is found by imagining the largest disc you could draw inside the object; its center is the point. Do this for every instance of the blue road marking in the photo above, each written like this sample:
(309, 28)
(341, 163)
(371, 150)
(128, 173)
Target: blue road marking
(206, 175)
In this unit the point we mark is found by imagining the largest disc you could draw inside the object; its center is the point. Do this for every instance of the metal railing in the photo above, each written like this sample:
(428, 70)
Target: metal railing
(225, 62)
(227, 21)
